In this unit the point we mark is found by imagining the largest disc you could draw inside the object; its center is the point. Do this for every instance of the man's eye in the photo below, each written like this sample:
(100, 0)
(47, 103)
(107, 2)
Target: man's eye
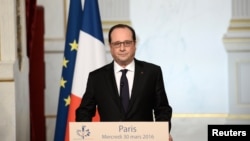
(117, 43)
(128, 43)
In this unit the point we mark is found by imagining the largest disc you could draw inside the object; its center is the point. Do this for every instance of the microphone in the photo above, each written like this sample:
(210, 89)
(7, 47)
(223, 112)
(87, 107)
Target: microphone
(122, 84)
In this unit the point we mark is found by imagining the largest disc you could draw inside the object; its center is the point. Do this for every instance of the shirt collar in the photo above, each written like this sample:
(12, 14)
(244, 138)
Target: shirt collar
(130, 67)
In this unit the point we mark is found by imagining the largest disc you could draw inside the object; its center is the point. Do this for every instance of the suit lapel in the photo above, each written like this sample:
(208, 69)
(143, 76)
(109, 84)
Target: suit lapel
(138, 79)
(110, 80)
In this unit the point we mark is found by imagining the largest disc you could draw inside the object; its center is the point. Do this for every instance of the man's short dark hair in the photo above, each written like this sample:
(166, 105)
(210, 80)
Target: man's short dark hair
(121, 26)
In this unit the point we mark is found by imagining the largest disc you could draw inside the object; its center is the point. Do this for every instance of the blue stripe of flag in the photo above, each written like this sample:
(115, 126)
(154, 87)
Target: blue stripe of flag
(91, 21)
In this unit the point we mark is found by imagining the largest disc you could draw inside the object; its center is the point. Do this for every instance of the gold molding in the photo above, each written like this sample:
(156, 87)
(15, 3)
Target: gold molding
(112, 22)
(227, 116)
(50, 116)
(234, 21)
(65, 16)
(234, 39)
(19, 31)
(239, 25)
(234, 29)
(54, 39)
(6, 80)
(107, 24)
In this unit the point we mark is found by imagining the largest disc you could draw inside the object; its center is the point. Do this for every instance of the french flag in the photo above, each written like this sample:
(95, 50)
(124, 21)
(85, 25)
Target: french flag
(90, 55)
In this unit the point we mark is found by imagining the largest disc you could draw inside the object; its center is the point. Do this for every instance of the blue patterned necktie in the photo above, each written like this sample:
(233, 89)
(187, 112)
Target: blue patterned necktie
(124, 90)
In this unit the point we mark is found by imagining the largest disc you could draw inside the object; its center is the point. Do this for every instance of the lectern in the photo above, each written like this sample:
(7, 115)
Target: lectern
(118, 131)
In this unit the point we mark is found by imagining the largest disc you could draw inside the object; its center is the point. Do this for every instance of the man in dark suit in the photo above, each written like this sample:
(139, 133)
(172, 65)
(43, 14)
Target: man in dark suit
(147, 99)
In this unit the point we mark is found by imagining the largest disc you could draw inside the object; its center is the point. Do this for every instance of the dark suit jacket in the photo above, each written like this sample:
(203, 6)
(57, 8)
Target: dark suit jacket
(148, 97)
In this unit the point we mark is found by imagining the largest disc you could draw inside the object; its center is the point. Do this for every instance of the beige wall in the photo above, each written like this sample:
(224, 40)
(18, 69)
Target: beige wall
(14, 105)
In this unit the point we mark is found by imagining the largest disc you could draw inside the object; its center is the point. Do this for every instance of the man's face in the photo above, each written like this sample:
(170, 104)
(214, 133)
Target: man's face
(122, 46)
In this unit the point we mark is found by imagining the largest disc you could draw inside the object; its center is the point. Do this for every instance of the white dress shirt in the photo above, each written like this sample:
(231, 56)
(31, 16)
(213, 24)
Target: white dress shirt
(129, 74)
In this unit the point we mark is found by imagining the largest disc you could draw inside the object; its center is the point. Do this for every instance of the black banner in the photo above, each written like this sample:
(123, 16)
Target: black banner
(233, 131)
